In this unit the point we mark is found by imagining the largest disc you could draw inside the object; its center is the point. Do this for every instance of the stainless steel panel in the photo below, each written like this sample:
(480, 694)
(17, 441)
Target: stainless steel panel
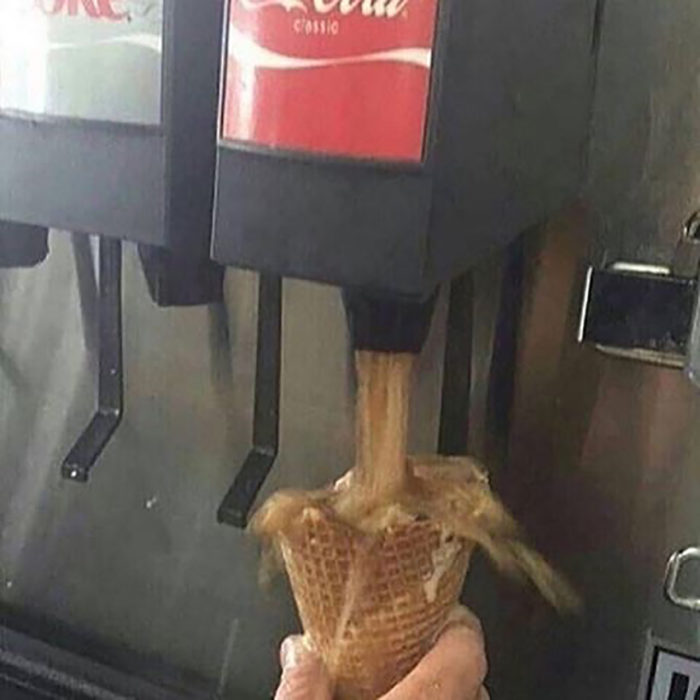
(644, 178)
(136, 557)
(602, 471)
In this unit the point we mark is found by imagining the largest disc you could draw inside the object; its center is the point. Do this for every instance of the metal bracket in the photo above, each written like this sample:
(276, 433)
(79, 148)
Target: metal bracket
(640, 312)
(110, 387)
(648, 312)
(673, 570)
(457, 369)
(236, 506)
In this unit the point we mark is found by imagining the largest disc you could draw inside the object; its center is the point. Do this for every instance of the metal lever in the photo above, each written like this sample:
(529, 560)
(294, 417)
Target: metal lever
(236, 506)
(457, 372)
(110, 387)
(673, 570)
(691, 240)
(692, 358)
(501, 384)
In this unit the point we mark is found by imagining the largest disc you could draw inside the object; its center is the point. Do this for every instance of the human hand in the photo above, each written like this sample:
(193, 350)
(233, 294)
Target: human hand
(454, 669)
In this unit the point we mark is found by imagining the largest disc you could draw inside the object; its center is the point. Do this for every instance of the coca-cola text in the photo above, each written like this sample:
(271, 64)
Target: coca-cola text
(388, 9)
(97, 9)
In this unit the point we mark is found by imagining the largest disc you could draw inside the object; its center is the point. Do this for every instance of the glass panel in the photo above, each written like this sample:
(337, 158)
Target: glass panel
(86, 59)
(344, 59)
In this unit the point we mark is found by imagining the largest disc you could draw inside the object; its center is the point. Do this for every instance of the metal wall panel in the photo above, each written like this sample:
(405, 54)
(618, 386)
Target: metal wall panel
(602, 471)
(644, 178)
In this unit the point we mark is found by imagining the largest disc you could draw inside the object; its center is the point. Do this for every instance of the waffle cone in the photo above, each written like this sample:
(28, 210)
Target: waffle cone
(372, 606)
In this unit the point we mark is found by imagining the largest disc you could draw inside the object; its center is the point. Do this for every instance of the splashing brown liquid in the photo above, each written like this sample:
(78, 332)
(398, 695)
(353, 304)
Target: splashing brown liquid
(381, 475)
(355, 524)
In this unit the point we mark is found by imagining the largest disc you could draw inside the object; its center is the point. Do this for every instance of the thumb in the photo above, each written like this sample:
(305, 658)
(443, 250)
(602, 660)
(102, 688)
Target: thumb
(454, 668)
(304, 676)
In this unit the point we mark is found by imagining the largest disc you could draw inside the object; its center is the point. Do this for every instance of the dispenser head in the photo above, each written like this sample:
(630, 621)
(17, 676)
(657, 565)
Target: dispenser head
(388, 324)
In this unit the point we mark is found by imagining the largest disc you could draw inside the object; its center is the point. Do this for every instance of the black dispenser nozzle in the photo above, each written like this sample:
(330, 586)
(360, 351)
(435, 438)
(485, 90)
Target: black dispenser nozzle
(22, 245)
(378, 323)
(181, 277)
(388, 324)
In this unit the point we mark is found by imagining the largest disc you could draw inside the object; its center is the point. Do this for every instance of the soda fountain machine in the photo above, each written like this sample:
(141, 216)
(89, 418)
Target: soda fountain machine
(107, 127)
(424, 142)
(387, 146)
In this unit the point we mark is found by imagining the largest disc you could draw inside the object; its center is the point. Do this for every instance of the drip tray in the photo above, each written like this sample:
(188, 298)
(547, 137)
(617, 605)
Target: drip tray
(33, 669)
(10, 692)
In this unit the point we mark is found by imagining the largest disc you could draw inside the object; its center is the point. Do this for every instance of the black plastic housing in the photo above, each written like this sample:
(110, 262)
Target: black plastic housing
(149, 184)
(22, 245)
(508, 119)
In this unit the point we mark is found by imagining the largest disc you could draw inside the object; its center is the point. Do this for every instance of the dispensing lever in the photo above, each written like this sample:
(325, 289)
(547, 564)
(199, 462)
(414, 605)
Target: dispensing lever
(692, 363)
(377, 324)
(236, 506)
(110, 386)
(455, 404)
(689, 252)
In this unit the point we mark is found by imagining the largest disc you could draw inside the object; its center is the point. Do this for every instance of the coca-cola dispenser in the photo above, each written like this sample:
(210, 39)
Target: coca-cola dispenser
(386, 146)
(108, 127)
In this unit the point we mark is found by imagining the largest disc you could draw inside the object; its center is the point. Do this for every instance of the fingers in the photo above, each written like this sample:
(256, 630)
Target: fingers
(453, 670)
(304, 676)
(461, 615)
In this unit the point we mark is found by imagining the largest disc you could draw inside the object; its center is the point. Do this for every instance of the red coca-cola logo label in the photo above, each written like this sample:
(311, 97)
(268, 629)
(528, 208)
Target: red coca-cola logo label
(345, 77)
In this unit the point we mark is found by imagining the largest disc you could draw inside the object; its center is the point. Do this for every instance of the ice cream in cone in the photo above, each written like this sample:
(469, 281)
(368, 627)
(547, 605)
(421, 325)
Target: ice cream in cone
(378, 561)
(372, 607)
